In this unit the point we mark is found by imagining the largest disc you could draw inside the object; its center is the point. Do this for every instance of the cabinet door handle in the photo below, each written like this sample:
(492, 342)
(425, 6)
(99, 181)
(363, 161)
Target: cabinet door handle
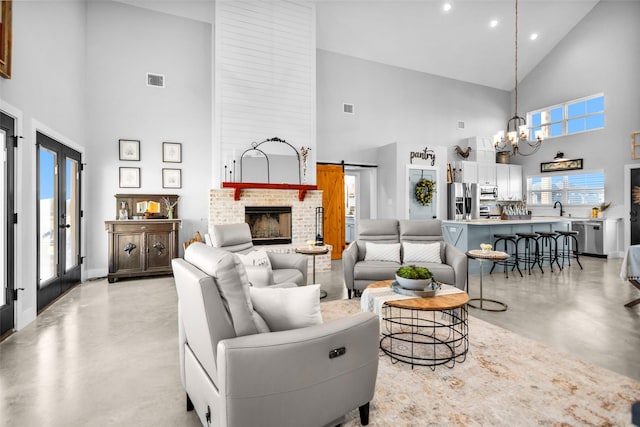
(128, 248)
(159, 247)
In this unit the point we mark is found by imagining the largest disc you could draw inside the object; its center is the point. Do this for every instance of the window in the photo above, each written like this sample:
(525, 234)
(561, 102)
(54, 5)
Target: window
(580, 115)
(572, 190)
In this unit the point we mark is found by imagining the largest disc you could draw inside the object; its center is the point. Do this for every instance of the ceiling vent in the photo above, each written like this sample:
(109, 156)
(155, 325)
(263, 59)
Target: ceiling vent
(155, 80)
(347, 108)
(461, 125)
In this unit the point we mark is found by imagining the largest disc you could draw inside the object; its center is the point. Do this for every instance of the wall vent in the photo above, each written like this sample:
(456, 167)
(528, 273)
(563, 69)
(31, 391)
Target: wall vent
(155, 80)
(460, 125)
(347, 108)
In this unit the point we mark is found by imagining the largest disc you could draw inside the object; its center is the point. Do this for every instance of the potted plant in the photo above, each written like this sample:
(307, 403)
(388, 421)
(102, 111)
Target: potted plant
(601, 208)
(414, 277)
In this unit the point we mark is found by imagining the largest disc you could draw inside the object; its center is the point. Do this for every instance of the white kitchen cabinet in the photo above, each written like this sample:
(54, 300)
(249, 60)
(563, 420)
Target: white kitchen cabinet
(515, 182)
(509, 181)
(502, 181)
(487, 174)
(482, 149)
(469, 171)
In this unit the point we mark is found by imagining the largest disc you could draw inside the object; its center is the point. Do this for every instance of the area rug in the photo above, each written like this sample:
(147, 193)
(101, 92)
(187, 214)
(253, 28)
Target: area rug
(506, 380)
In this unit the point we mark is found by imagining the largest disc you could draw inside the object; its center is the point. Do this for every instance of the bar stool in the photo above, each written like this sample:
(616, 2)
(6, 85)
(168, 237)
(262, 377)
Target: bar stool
(568, 237)
(547, 239)
(513, 260)
(530, 256)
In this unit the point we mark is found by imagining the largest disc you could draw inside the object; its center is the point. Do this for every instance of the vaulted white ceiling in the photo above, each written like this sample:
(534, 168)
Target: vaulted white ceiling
(419, 35)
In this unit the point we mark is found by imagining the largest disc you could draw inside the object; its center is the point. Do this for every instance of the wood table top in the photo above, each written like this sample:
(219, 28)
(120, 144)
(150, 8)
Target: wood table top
(439, 302)
(316, 250)
(495, 255)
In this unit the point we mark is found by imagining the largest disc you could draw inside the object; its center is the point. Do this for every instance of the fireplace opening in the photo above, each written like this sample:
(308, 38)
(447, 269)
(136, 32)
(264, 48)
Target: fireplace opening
(270, 225)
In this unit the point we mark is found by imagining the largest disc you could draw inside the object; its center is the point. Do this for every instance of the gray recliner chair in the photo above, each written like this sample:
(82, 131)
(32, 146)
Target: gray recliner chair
(235, 376)
(285, 268)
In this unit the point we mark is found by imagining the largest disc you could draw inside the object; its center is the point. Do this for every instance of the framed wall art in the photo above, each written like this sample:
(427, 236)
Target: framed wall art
(561, 165)
(171, 178)
(172, 152)
(129, 177)
(130, 150)
(5, 38)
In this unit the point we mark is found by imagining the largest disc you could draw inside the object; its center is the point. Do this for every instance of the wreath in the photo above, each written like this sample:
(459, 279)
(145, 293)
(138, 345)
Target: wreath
(424, 191)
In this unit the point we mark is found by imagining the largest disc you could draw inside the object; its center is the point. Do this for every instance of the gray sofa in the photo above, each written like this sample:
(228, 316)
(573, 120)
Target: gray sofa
(358, 273)
(236, 373)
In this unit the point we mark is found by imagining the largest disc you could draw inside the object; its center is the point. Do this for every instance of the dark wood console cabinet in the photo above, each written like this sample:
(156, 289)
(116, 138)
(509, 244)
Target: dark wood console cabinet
(139, 248)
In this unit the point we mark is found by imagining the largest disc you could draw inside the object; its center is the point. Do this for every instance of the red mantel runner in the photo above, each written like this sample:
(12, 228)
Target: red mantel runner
(237, 186)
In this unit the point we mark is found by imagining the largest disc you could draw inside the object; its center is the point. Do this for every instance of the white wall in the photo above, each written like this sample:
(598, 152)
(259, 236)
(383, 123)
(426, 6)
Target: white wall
(393, 104)
(401, 111)
(46, 92)
(601, 54)
(120, 105)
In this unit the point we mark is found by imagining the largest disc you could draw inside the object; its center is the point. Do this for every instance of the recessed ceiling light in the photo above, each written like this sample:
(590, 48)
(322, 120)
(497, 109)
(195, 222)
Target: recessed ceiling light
(493, 23)
(533, 36)
(446, 7)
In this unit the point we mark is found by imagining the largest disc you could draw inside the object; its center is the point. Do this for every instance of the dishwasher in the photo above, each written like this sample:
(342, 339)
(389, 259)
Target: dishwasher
(590, 237)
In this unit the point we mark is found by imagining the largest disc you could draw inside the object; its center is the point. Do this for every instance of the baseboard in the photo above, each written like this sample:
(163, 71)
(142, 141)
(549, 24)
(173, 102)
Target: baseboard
(96, 273)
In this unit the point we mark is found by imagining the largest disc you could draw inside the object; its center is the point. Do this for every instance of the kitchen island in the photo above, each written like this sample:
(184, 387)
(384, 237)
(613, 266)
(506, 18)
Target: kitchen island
(469, 234)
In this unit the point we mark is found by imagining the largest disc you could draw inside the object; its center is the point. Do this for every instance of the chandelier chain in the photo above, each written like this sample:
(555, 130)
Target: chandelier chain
(516, 62)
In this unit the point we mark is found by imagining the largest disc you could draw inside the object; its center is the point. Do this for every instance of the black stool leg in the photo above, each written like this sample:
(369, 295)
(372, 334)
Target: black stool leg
(576, 252)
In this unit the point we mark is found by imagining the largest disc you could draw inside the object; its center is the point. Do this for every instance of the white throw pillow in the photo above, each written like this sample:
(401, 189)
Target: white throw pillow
(421, 252)
(288, 308)
(258, 258)
(382, 252)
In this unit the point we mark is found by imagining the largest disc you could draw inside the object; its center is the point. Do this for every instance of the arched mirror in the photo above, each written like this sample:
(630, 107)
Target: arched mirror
(272, 161)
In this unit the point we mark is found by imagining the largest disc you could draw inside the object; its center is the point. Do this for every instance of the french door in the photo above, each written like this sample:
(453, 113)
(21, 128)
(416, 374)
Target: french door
(59, 216)
(7, 223)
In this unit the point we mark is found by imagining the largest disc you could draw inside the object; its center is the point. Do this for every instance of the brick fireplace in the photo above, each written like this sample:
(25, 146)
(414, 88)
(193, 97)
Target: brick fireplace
(223, 209)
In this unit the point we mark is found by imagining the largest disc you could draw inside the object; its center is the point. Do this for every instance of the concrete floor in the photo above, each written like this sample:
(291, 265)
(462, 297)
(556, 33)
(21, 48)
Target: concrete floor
(106, 354)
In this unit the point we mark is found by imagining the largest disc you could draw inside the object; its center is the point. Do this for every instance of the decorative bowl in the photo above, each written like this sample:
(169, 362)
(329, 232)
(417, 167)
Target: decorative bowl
(413, 284)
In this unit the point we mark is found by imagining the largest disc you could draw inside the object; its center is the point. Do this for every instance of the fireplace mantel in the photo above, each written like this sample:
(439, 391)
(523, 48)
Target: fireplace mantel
(237, 186)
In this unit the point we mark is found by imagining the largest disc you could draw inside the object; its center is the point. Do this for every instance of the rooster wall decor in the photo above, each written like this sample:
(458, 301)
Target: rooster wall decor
(463, 153)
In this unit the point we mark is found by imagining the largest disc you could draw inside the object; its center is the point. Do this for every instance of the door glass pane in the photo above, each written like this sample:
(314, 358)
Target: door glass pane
(71, 202)
(3, 222)
(48, 215)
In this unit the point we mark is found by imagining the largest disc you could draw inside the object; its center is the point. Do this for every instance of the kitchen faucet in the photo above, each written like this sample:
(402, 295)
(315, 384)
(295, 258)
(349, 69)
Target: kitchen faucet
(559, 203)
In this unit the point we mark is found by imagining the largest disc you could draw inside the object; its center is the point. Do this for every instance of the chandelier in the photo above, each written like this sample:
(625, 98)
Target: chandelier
(517, 133)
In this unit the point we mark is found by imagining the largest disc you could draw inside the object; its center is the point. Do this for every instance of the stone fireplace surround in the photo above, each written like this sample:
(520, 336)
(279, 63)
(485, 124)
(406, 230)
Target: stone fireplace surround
(223, 209)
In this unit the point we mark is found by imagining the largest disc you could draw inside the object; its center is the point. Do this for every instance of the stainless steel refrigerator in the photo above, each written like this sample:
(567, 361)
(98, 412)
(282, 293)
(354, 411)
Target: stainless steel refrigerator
(463, 200)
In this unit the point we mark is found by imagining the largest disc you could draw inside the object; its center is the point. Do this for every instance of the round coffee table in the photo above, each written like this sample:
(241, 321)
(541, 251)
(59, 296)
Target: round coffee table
(314, 252)
(482, 257)
(425, 331)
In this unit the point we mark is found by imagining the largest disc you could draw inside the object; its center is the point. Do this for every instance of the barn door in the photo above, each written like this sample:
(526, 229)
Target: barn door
(330, 179)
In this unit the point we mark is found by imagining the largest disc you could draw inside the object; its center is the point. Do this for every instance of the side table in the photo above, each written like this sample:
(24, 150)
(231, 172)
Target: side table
(481, 257)
(314, 252)
(418, 331)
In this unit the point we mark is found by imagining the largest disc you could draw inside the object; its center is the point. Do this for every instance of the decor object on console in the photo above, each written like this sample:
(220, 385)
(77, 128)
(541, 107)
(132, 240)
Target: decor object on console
(359, 271)
(517, 133)
(169, 205)
(285, 268)
(635, 143)
(234, 369)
